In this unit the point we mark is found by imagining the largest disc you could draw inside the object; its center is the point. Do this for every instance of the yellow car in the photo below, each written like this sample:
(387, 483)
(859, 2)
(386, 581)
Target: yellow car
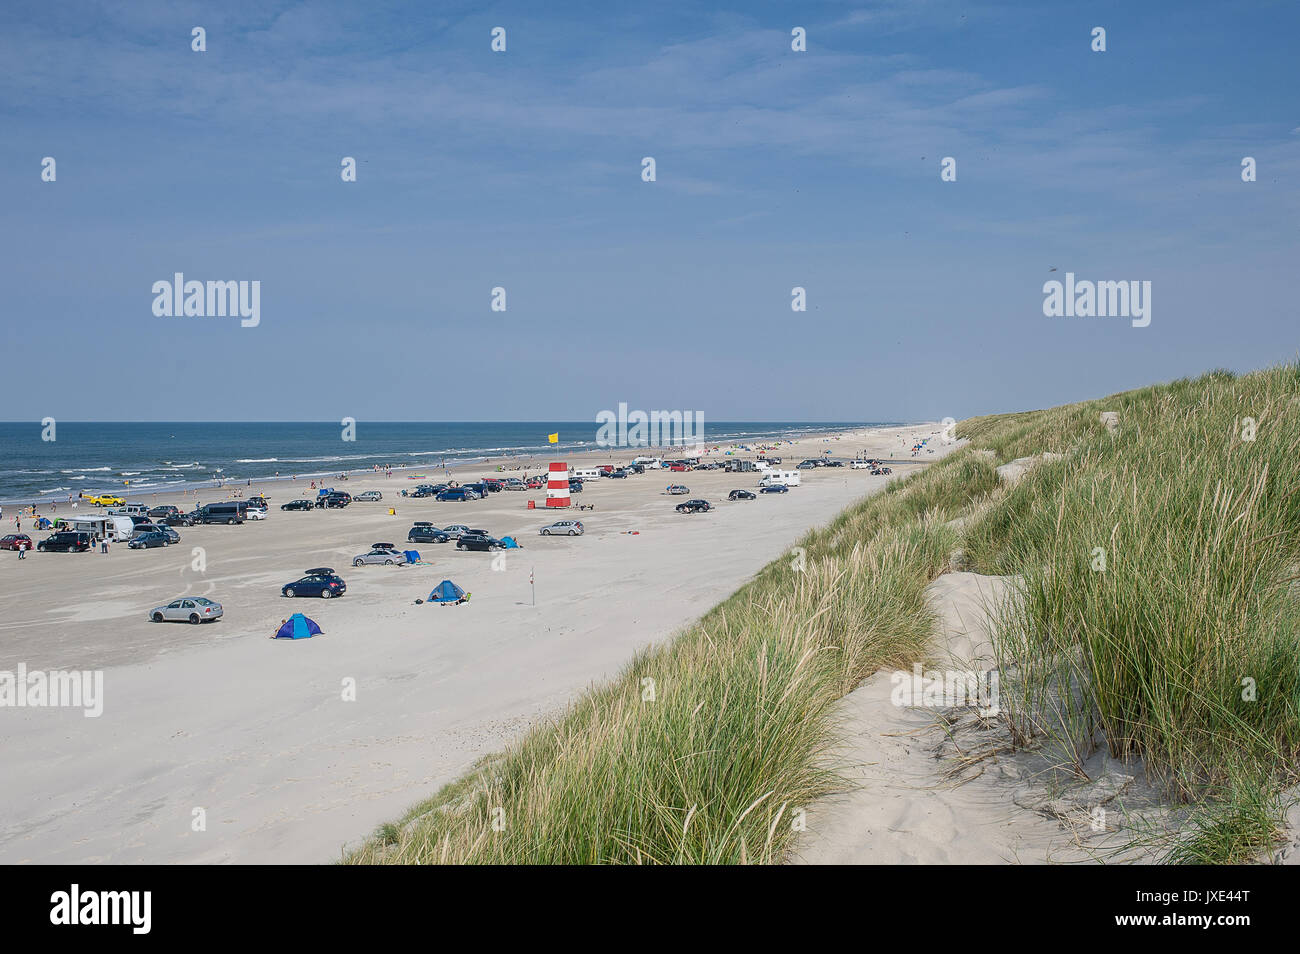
(105, 500)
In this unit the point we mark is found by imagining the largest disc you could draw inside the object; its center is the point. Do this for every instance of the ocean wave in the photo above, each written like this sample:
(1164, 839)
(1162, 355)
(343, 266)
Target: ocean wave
(86, 470)
(54, 490)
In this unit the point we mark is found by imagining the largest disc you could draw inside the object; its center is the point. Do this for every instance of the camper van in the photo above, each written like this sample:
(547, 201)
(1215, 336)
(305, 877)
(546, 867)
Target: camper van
(788, 477)
(587, 473)
(113, 526)
(650, 463)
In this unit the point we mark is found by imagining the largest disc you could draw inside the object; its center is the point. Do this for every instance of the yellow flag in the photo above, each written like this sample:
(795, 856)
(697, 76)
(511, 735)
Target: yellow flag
(553, 438)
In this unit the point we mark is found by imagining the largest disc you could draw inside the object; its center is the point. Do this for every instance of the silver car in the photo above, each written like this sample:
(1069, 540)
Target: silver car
(382, 555)
(572, 528)
(369, 495)
(188, 609)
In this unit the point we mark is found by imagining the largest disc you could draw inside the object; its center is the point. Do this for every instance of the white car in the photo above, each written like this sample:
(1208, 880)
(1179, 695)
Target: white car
(859, 465)
(255, 513)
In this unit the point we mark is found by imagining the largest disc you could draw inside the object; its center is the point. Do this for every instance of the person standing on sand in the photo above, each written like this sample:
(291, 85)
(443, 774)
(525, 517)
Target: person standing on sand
(22, 550)
(103, 545)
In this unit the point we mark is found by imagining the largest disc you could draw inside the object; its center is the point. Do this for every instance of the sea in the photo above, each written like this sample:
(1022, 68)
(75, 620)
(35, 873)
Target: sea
(126, 458)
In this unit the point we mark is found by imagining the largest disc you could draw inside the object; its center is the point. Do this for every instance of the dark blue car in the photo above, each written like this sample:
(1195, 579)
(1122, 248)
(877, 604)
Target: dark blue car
(322, 582)
(774, 489)
(458, 493)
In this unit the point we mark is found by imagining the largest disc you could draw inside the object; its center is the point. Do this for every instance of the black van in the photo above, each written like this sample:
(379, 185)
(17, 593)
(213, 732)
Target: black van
(233, 512)
(67, 541)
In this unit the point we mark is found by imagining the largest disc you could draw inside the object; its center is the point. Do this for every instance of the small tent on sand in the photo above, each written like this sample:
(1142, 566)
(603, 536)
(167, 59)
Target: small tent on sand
(298, 626)
(448, 593)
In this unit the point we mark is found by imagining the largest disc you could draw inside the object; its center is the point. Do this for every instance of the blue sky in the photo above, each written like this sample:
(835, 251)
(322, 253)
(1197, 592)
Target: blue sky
(522, 169)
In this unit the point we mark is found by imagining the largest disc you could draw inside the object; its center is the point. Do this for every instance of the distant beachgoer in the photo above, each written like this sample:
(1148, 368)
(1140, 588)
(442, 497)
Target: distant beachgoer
(103, 545)
(22, 550)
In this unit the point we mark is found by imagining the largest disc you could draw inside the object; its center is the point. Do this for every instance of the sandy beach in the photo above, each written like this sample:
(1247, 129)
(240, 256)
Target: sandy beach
(254, 736)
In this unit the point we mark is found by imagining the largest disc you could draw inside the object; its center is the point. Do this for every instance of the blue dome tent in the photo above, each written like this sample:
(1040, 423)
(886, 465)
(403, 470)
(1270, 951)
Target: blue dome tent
(298, 626)
(447, 593)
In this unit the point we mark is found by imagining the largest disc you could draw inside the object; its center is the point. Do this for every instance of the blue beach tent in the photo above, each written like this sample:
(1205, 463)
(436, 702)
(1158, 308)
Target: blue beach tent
(412, 556)
(298, 626)
(510, 543)
(447, 592)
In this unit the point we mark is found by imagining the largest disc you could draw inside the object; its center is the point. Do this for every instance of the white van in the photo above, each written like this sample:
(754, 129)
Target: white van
(649, 463)
(788, 477)
(587, 473)
(763, 465)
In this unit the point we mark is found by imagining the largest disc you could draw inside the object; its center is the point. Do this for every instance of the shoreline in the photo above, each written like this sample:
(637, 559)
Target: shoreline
(434, 460)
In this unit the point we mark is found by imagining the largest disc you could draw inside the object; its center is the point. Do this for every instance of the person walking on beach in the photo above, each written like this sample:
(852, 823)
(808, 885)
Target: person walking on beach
(103, 545)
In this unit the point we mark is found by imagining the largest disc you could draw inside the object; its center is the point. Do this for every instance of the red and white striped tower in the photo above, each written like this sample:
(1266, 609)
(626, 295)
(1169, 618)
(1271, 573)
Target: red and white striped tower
(557, 485)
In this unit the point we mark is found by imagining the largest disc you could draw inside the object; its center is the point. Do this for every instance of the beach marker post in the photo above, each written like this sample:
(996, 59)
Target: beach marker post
(557, 485)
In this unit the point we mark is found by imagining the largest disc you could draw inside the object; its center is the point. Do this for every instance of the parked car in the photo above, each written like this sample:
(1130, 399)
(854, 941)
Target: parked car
(455, 530)
(742, 495)
(147, 541)
(427, 535)
(11, 541)
(571, 528)
(859, 465)
(678, 468)
(879, 471)
(514, 483)
(180, 520)
(334, 500)
(694, 506)
(171, 535)
(478, 541)
(66, 541)
(620, 473)
(298, 505)
(321, 581)
(189, 609)
(229, 513)
(774, 489)
(678, 490)
(164, 511)
(255, 513)
(388, 556)
(458, 493)
(806, 465)
(369, 496)
(575, 486)
(536, 483)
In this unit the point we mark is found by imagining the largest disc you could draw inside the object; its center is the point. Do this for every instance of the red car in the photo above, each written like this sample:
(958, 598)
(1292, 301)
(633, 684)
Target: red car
(536, 483)
(11, 541)
(678, 468)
